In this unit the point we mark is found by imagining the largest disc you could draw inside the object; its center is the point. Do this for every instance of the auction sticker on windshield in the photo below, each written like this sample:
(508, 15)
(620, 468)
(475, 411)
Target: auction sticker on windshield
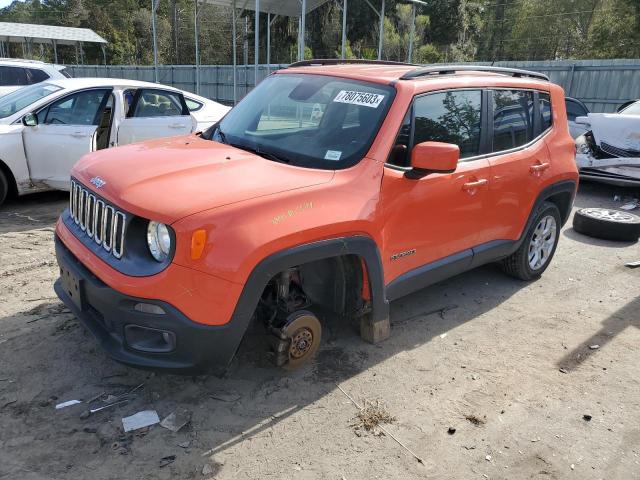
(363, 99)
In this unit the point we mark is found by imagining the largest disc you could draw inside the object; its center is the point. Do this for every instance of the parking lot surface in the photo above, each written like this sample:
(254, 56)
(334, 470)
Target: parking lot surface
(486, 377)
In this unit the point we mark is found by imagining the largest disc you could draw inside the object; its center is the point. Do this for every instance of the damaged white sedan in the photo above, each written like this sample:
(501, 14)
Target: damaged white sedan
(609, 152)
(45, 128)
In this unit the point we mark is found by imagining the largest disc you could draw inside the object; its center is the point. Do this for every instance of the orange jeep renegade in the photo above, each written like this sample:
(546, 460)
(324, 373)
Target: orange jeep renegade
(332, 188)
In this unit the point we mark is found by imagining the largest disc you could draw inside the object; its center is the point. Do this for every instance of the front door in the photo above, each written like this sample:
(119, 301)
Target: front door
(438, 215)
(65, 132)
(155, 113)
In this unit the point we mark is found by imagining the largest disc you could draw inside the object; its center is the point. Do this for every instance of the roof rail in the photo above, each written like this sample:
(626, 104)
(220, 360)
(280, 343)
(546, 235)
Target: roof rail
(21, 60)
(353, 61)
(451, 69)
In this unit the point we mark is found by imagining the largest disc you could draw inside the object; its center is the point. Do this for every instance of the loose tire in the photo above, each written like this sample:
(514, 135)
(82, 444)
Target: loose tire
(4, 187)
(538, 247)
(607, 224)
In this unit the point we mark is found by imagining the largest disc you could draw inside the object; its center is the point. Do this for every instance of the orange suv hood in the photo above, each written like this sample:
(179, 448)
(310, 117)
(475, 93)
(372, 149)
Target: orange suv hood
(168, 179)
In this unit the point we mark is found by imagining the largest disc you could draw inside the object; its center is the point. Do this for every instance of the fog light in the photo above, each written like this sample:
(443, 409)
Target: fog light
(149, 308)
(151, 340)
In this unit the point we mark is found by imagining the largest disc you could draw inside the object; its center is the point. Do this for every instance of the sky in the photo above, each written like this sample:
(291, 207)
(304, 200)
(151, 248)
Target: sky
(4, 3)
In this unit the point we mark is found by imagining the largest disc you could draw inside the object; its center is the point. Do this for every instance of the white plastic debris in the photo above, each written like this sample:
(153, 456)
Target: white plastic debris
(67, 404)
(146, 418)
(176, 420)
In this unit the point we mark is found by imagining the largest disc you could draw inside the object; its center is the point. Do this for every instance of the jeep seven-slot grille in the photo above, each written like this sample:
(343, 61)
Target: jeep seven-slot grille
(98, 220)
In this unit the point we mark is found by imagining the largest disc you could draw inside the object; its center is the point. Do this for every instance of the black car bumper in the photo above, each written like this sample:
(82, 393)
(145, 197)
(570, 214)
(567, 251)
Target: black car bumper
(168, 341)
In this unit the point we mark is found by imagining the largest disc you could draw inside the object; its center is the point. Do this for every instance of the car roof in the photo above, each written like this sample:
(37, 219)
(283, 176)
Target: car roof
(390, 72)
(88, 82)
(20, 62)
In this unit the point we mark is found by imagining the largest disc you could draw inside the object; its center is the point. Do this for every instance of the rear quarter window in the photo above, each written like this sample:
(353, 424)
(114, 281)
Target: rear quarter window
(37, 76)
(546, 118)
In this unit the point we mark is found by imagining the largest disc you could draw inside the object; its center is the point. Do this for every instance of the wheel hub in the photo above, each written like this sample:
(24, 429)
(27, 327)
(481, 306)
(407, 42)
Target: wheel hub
(542, 242)
(301, 343)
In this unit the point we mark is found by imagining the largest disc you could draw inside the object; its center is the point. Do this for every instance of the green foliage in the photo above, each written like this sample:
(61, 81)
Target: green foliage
(445, 30)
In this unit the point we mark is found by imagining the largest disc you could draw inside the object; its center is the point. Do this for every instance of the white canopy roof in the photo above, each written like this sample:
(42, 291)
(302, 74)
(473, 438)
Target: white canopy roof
(288, 8)
(18, 32)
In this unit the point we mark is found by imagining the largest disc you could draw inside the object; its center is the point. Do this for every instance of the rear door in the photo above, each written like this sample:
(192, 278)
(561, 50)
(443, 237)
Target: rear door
(155, 113)
(65, 132)
(520, 158)
(441, 214)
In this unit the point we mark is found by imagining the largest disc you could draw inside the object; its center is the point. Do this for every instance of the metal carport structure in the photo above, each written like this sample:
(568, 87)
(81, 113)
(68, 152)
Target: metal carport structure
(29, 34)
(273, 8)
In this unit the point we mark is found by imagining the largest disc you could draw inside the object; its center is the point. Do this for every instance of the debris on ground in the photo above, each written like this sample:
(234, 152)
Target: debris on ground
(632, 264)
(451, 431)
(373, 414)
(185, 444)
(168, 460)
(68, 403)
(176, 420)
(91, 411)
(139, 420)
(488, 458)
(223, 396)
(207, 469)
(594, 347)
(563, 370)
(477, 421)
(587, 417)
(534, 440)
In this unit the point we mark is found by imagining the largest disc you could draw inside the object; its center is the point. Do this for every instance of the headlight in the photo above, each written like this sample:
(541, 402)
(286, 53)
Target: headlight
(159, 240)
(582, 146)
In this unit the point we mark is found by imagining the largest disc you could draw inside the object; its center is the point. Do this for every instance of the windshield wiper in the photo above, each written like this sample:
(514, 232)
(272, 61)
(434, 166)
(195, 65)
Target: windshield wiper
(262, 153)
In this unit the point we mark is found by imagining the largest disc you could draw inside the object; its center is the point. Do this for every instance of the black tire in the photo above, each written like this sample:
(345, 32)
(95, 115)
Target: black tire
(607, 224)
(518, 263)
(4, 187)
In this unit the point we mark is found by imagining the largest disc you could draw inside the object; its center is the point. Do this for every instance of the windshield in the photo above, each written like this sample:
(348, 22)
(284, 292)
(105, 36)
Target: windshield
(23, 97)
(633, 109)
(307, 120)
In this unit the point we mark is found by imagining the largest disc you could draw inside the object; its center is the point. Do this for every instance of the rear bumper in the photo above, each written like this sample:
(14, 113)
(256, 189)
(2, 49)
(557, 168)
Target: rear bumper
(108, 314)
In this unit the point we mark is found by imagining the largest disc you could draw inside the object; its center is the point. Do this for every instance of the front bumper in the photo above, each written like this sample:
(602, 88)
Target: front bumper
(107, 313)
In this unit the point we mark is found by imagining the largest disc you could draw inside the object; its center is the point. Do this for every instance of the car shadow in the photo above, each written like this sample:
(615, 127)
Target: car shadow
(37, 210)
(65, 362)
(579, 237)
(614, 325)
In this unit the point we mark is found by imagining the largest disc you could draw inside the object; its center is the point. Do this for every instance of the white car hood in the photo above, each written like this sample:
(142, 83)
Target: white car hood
(618, 130)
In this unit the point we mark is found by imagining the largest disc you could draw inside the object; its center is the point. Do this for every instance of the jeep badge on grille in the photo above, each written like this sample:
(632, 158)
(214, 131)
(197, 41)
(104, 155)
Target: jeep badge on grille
(98, 182)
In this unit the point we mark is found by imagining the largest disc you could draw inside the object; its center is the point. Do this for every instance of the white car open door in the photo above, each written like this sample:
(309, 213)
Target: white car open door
(155, 113)
(64, 133)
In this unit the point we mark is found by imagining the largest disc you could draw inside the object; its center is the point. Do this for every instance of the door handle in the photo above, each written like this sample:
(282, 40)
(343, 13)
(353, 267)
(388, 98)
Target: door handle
(539, 168)
(78, 134)
(474, 185)
(177, 125)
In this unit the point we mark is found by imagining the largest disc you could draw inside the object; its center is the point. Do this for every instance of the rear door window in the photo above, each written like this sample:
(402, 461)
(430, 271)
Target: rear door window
(450, 117)
(13, 76)
(512, 118)
(158, 103)
(546, 119)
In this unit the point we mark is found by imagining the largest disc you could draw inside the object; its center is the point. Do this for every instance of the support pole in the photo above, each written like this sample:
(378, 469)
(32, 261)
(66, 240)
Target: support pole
(55, 51)
(344, 30)
(412, 32)
(268, 43)
(235, 56)
(154, 5)
(197, 35)
(302, 28)
(104, 55)
(256, 44)
(381, 39)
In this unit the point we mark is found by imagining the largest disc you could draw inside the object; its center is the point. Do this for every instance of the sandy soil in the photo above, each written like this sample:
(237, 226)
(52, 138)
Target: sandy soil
(495, 353)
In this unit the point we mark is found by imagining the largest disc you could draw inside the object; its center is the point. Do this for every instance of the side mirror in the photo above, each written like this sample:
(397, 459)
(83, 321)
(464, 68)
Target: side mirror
(433, 157)
(30, 120)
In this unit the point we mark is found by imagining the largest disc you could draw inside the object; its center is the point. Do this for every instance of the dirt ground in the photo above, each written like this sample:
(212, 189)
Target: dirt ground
(506, 364)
